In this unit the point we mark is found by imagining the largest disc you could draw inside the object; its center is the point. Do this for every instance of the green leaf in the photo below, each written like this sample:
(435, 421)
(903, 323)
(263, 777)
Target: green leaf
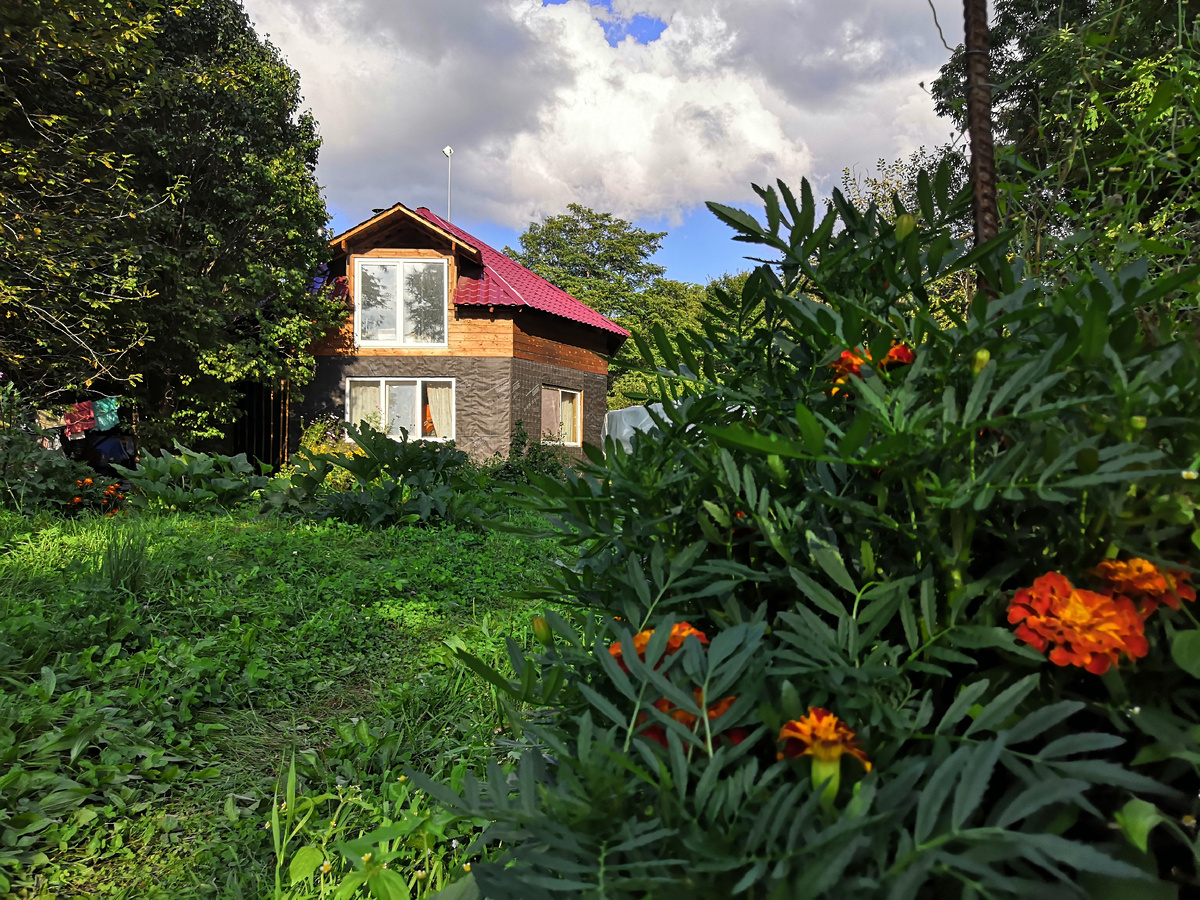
(811, 430)
(826, 556)
(1185, 650)
(974, 782)
(962, 703)
(935, 792)
(743, 438)
(1093, 333)
(1002, 707)
(349, 885)
(1040, 795)
(1137, 819)
(463, 889)
(304, 863)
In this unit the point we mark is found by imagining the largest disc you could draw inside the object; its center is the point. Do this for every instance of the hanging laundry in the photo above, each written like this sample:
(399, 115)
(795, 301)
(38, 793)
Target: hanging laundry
(80, 418)
(106, 412)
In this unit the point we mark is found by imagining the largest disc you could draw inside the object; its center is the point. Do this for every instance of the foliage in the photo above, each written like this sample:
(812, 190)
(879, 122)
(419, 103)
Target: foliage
(598, 258)
(396, 482)
(69, 267)
(849, 539)
(527, 459)
(163, 220)
(33, 478)
(188, 479)
(235, 229)
(1096, 105)
(162, 671)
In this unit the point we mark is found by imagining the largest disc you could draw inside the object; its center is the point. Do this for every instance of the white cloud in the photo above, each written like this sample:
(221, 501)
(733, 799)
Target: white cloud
(542, 111)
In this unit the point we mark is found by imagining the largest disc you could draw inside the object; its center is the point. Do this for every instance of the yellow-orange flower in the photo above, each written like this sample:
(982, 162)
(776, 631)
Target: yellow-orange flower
(679, 632)
(1081, 628)
(821, 735)
(1143, 582)
(851, 362)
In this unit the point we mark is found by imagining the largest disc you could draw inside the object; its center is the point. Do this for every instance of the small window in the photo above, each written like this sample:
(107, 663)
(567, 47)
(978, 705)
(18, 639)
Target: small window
(400, 302)
(561, 416)
(421, 407)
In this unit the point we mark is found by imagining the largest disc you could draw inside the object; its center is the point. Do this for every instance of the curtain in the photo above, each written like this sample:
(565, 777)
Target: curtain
(402, 408)
(570, 417)
(441, 406)
(364, 402)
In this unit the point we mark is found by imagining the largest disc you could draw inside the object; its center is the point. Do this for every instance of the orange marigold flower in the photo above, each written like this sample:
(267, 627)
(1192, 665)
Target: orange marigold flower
(76, 499)
(683, 717)
(679, 633)
(1143, 582)
(1081, 628)
(851, 362)
(87, 482)
(821, 735)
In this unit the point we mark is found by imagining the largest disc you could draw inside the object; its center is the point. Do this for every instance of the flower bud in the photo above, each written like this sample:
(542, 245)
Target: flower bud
(905, 225)
(541, 631)
(1138, 423)
(982, 357)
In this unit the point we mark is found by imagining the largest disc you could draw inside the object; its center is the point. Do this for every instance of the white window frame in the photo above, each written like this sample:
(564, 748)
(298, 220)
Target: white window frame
(578, 416)
(360, 261)
(381, 380)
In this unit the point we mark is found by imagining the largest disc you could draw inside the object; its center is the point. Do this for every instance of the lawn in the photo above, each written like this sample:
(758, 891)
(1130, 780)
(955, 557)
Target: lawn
(164, 673)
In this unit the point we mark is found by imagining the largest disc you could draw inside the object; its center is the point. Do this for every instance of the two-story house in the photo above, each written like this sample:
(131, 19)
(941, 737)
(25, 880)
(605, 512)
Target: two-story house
(451, 339)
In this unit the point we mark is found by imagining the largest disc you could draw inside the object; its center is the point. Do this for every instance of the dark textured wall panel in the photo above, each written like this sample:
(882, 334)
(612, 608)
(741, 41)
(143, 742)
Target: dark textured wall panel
(482, 395)
(527, 380)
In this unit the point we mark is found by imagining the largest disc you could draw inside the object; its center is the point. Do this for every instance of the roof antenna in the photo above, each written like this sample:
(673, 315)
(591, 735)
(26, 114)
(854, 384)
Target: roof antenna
(448, 151)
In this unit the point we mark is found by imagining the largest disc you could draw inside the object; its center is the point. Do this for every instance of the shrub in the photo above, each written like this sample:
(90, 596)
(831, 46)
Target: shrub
(396, 482)
(528, 458)
(189, 479)
(33, 478)
(870, 527)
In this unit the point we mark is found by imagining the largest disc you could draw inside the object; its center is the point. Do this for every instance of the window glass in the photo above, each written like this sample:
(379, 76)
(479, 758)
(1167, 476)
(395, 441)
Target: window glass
(570, 417)
(424, 303)
(379, 307)
(551, 423)
(363, 403)
(402, 408)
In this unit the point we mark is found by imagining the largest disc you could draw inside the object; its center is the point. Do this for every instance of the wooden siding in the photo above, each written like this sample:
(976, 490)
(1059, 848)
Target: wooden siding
(539, 337)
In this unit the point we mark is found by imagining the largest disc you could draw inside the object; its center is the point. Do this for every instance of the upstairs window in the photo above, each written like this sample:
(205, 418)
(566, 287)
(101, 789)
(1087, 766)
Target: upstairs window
(561, 411)
(400, 302)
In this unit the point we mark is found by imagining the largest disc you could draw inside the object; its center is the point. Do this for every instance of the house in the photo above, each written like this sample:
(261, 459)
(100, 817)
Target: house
(451, 339)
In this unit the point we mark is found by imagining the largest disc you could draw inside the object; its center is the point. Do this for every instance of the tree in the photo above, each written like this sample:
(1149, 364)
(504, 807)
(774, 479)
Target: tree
(210, 224)
(1096, 102)
(71, 283)
(595, 257)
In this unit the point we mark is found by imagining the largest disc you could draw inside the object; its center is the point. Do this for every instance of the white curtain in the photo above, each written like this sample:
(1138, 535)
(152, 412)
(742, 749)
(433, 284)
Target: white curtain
(441, 406)
(570, 417)
(364, 403)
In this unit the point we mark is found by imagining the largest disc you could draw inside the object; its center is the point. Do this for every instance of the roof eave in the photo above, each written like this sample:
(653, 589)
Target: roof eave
(340, 243)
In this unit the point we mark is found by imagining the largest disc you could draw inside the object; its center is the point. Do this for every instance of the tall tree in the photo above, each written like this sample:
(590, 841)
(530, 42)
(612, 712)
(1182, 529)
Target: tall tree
(604, 261)
(595, 257)
(72, 286)
(163, 220)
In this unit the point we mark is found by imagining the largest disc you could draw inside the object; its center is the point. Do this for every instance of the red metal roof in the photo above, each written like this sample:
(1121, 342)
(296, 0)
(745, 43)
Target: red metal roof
(506, 282)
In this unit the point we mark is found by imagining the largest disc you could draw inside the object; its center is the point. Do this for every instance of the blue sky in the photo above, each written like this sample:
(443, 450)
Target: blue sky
(641, 108)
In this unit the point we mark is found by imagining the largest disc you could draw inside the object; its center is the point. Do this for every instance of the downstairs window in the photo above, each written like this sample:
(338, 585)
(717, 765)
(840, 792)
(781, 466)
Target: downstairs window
(422, 407)
(561, 416)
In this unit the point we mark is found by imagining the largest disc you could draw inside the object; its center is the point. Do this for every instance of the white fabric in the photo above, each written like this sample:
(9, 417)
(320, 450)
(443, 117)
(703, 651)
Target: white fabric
(441, 407)
(622, 424)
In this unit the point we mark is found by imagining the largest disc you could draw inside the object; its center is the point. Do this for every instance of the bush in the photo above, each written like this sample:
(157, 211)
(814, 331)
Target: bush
(396, 482)
(188, 479)
(34, 479)
(861, 528)
(528, 459)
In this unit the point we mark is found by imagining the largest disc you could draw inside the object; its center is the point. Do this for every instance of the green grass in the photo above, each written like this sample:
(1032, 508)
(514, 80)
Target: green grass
(162, 672)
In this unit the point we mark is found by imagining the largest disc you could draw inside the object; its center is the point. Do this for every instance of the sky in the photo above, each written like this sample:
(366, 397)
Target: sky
(642, 108)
